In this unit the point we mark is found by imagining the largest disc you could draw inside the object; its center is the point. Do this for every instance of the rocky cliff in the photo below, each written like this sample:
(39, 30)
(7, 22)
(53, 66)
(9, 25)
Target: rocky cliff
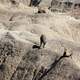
(20, 56)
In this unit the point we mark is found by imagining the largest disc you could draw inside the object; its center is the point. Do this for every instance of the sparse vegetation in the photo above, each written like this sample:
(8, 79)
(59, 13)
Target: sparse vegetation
(42, 42)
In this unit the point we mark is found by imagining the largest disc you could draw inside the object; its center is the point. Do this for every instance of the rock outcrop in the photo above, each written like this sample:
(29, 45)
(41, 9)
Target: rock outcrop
(20, 55)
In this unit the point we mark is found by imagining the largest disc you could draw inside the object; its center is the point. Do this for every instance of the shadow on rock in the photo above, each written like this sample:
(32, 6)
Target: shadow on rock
(36, 46)
(2, 67)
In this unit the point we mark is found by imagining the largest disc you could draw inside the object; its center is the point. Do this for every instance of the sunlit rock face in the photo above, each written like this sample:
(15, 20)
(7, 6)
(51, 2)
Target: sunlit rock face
(45, 3)
(27, 2)
(21, 57)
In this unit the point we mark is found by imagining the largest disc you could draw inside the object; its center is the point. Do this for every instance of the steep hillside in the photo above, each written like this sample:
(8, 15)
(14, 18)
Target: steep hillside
(20, 57)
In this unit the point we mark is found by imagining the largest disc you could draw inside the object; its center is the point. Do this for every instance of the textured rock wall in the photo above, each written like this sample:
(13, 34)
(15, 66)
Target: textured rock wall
(45, 3)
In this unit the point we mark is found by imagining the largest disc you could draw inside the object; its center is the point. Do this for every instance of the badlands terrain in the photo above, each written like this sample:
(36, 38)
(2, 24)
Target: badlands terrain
(20, 29)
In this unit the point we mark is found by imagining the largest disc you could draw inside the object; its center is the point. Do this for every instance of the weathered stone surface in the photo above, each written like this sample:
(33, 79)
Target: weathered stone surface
(21, 57)
(45, 3)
